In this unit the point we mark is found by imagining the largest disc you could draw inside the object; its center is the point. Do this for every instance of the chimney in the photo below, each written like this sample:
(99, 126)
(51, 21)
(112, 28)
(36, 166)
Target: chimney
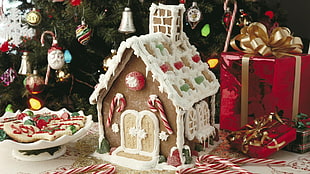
(167, 19)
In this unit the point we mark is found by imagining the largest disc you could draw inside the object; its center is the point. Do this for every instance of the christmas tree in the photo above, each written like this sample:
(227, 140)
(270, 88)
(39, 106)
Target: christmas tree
(87, 32)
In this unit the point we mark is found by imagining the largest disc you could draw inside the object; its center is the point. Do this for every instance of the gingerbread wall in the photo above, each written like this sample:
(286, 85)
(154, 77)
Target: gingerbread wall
(137, 100)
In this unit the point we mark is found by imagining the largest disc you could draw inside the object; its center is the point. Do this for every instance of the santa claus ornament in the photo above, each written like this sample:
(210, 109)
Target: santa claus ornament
(55, 56)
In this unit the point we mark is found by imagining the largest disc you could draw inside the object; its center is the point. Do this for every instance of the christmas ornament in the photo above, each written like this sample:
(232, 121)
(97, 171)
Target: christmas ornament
(33, 17)
(83, 33)
(35, 103)
(244, 19)
(205, 31)
(62, 75)
(8, 77)
(25, 67)
(127, 25)
(107, 59)
(34, 83)
(75, 2)
(67, 56)
(135, 81)
(13, 28)
(5, 46)
(193, 15)
(227, 18)
(182, 1)
(9, 108)
(55, 56)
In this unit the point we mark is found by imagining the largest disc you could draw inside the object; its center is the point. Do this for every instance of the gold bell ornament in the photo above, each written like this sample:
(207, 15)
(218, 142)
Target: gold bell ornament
(127, 25)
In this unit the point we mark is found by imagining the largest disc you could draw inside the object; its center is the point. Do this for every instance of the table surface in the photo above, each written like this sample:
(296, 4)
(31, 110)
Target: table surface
(80, 153)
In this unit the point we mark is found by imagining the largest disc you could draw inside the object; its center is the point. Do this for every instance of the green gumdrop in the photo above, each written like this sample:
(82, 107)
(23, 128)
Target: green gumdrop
(162, 159)
(160, 47)
(184, 87)
(73, 129)
(199, 79)
(3, 135)
(205, 31)
(75, 114)
(29, 113)
(9, 108)
(104, 147)
(29, 122)
(187, 155)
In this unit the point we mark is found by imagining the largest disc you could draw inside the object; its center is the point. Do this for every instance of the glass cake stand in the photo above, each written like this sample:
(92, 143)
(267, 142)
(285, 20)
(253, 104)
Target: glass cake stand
(43, 149)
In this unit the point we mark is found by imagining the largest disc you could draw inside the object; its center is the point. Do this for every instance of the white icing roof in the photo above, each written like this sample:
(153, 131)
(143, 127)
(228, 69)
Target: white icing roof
(177, 67)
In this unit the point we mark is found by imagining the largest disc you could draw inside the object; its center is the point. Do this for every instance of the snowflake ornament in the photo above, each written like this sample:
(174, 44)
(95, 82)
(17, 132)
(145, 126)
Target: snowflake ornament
(12, 27)
(115, 128)
(163, 136)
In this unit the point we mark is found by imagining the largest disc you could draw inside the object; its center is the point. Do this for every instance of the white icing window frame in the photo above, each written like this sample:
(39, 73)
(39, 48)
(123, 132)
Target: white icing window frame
(203, 122)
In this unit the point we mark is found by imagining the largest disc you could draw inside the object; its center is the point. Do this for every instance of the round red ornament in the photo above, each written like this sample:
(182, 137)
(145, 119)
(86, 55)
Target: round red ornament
(34, 83)
(135, 80)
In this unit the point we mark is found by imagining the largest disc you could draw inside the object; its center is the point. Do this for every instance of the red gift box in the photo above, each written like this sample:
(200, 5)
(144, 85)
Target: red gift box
(262, 137)
(255, 86)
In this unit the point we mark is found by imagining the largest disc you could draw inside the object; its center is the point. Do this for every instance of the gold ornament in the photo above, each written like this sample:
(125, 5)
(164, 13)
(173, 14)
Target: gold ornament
(33, 18)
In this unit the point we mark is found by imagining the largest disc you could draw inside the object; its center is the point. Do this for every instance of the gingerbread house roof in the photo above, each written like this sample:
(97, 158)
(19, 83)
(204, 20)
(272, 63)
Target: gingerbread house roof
(178, 68)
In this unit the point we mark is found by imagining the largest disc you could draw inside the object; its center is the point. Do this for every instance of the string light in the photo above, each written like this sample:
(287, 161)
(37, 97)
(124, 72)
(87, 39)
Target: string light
(35, 103)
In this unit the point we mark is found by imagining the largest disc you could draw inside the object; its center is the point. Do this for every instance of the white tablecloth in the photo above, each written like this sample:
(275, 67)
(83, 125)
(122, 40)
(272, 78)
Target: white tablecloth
(297, 163)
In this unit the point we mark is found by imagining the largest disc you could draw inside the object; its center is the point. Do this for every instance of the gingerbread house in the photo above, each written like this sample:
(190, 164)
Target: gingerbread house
(157, 98)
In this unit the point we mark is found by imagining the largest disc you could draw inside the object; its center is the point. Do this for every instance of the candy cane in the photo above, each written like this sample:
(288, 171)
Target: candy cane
(151, 103)
(118, 100)
(108, 169)
(231, 23)
(206, 164)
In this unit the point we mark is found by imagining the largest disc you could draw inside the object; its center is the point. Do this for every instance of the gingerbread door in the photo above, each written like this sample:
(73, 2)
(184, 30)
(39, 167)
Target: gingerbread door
(139, 135)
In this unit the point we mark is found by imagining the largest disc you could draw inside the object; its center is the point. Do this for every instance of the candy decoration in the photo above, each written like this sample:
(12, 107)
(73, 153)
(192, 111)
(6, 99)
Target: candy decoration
(153, 99)
(8, 76)
(174, 158)
(118, 100)
(83, 33)
(193, 15)
(33, 17)
(106, 169)
(214, 165)
(135, 81)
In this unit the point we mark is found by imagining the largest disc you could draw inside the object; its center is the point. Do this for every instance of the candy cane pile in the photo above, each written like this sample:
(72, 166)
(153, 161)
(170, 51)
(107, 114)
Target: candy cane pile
(105, 169)
(210, 164)
(118, 100)
(153, 99)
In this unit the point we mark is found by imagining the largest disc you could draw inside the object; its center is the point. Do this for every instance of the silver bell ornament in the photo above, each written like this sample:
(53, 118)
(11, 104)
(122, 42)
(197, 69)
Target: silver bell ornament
(25, 67)
(127, 25)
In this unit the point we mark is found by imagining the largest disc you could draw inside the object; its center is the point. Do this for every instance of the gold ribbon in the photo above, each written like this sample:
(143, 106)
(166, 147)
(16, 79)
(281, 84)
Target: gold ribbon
(257, 134)
(255, 40)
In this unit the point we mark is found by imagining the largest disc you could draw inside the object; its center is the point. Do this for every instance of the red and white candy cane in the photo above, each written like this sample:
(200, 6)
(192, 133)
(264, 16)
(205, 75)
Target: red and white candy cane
(118, 100)
(105, 169)
(213, 164)
(231, 23)
(153, 99)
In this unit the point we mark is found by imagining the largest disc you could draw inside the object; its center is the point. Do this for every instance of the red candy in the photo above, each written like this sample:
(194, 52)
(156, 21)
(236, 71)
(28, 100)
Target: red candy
(196, 58)
(135, 80)
(178, 65)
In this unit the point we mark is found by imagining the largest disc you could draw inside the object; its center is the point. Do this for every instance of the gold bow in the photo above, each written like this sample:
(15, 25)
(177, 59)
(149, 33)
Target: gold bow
(255, 40)
(256, 135)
